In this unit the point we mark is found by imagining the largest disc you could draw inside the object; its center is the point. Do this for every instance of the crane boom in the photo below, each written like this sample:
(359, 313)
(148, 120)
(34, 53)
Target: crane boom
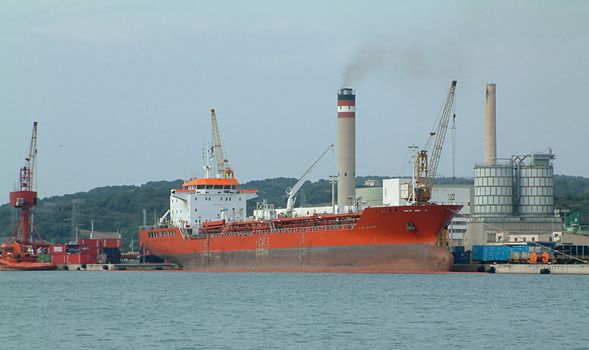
(223, 170)
(27, 173)
(441, 131)
(292, 191)
(426, 167)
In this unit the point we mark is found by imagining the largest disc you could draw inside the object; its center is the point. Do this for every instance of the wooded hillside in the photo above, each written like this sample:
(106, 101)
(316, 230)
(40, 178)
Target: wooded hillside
(121, 207)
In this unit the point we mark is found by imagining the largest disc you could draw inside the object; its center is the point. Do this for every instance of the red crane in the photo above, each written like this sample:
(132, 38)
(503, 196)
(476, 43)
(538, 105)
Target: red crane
(22, 253)
(26, 197)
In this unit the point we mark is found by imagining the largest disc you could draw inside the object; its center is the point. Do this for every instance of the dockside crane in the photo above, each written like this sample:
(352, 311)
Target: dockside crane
(26, 196)
(426, 164)
(291, 192)
(222, 164)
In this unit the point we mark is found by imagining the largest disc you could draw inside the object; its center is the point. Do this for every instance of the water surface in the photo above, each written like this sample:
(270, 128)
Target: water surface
(186, 310)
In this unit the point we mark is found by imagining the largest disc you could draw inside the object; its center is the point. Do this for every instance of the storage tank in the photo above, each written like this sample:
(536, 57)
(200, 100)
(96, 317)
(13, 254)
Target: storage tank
(535, 186)
(493, 190)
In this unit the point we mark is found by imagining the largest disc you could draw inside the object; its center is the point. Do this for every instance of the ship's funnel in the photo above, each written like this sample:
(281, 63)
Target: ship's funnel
(490, 127)
(346, 148)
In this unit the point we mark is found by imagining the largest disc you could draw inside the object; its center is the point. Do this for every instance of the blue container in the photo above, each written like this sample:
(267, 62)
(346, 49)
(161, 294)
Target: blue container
(461, 258)
(491, 253)
(458, 249)
(519, 248)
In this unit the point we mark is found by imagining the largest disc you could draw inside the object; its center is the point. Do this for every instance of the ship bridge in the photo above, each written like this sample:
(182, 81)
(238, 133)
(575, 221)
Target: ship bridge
(208, 199)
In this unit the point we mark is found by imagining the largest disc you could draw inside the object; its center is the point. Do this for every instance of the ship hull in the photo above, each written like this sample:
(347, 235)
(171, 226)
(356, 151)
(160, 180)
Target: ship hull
(359, 259)
(14, 264)
(383, 240)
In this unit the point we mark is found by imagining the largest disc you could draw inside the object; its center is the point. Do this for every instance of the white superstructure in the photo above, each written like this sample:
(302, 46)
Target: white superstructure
(208, 199)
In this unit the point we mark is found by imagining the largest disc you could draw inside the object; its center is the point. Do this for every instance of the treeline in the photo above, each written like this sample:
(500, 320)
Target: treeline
(120, 208)
(572, 192)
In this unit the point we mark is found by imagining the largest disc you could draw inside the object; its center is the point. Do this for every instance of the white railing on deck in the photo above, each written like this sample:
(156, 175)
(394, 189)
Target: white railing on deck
(279, 231)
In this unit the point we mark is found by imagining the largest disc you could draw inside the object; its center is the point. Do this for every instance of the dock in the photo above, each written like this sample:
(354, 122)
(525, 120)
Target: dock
(118, 267)
(555, 269)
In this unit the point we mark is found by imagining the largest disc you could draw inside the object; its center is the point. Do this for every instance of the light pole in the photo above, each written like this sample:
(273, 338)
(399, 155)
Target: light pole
(413, 149)
(333, 181)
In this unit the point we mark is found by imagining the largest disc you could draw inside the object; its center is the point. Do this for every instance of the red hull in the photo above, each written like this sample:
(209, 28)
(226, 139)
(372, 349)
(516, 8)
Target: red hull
(16, 264)
(387, 239)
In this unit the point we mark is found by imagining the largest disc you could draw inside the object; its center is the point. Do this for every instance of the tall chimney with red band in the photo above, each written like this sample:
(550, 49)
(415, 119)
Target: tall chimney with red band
(346, 148)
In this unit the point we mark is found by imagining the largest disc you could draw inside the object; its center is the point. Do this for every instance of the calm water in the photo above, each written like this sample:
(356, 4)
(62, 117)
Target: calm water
(181, 310)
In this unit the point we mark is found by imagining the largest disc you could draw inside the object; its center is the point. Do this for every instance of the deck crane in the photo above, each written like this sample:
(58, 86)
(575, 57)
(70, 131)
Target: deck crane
(222, 164)
(26, 197)
(426, 167)
(291, 192)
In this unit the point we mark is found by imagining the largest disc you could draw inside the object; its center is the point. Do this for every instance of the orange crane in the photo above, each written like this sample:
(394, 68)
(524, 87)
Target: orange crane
(20, 254)
(426, 167)
(26, 197)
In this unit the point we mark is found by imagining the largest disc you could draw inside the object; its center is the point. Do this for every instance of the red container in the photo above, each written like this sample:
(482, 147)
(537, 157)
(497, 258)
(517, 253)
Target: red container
(57, 249)
(84, 250)
(95, 243)
(110, 243)
(72, 259)
(87, 259)
(58, 259)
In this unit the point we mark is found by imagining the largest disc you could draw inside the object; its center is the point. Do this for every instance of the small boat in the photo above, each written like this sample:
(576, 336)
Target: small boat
(15, 256)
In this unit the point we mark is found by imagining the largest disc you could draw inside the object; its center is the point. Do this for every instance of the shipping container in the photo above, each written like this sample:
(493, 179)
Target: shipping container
(59, 259)
(101, 259)
(95, 243)
(57, 249)
(461, 258)
(491, 253)
(88, 259)
(72, 259)
(89, 251)
(113, 255)
(72, 249)
(110, 243)
(457, 249)
(519, 248)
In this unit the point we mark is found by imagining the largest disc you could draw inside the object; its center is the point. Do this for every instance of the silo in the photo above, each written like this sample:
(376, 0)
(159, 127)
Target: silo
(535, 186)
(493, 190)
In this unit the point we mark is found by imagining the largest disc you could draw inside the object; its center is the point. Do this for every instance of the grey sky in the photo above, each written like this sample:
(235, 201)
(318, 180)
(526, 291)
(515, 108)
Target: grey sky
(122, 89)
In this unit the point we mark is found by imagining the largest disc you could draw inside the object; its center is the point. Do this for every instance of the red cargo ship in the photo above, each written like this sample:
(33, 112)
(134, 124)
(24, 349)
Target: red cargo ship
(207, 229)
(379, 240)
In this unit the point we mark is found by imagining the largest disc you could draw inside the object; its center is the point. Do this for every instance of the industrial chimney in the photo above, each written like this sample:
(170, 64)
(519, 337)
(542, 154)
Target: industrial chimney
(346, 148)
(490, 127)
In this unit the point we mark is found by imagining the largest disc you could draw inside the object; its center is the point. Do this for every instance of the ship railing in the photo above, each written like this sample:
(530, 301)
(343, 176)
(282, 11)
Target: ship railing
(153, 227)
(283, 230)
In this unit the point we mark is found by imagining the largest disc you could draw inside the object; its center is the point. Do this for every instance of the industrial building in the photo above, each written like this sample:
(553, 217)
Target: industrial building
(513, 198)
(511, 201)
